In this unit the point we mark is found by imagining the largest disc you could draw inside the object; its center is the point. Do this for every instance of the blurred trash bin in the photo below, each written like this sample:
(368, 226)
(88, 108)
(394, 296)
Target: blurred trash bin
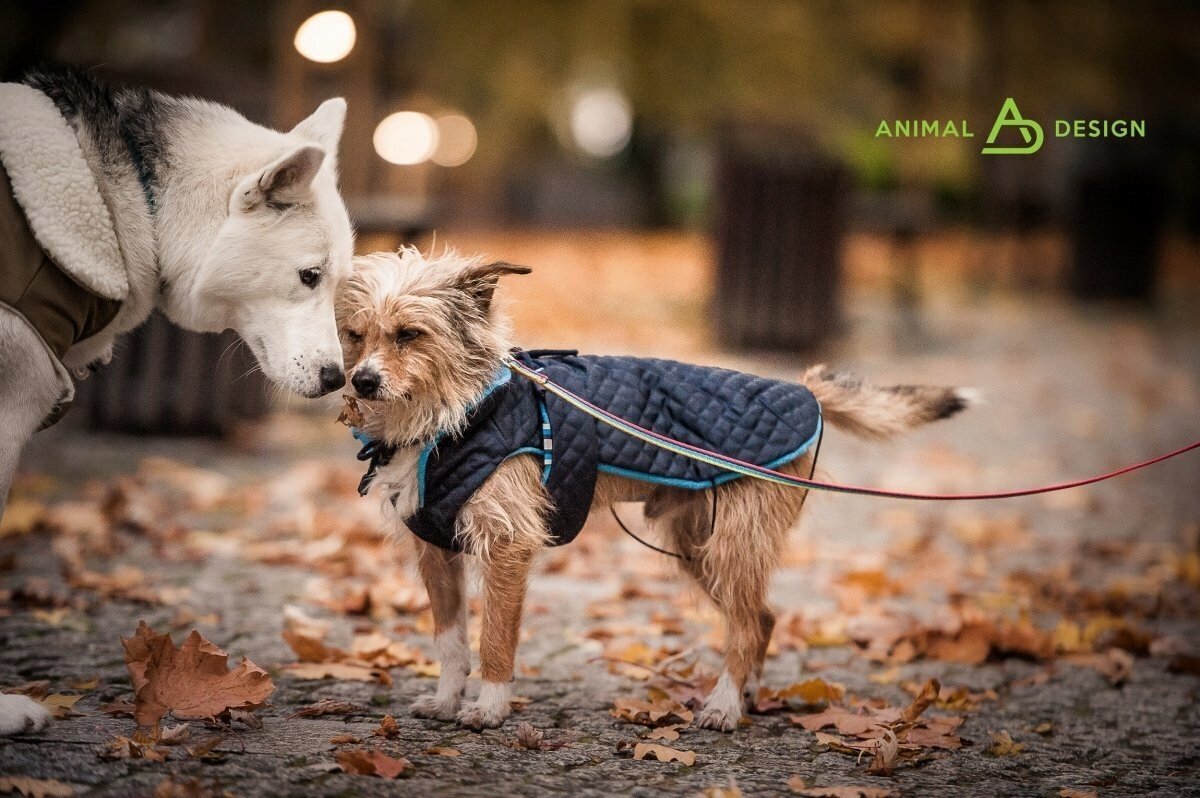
(780, 220)
(1115, 232)
(164, 380)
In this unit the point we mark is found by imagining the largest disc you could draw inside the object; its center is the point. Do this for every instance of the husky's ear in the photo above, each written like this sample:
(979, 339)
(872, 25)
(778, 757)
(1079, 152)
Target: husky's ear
(285, 181)
(325, 125)
(479, 280)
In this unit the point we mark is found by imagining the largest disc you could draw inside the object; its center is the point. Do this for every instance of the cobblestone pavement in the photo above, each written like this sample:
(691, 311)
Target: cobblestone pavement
(1068, 393)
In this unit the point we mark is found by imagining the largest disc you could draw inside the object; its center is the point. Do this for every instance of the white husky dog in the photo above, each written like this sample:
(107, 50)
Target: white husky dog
(117, 202)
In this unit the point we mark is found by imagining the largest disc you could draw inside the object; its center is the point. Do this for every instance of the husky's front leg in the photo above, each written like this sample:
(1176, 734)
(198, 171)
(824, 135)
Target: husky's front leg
(442, 573)
(20, 713)
(29, 388)
(505, 575)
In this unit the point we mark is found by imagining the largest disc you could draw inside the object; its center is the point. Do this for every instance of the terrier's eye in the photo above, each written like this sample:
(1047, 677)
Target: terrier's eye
(352, 336)
(310, 277)
(406, 334)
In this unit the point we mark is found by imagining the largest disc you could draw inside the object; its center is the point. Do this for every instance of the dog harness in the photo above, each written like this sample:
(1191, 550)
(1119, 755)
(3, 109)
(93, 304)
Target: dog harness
(767, 422)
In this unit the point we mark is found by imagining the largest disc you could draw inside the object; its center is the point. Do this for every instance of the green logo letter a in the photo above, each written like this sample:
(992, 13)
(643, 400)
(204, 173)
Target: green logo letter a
(1009, 115)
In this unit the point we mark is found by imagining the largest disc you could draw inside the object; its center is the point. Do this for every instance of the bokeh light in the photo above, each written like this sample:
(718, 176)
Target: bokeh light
(601, 122)
(457, 140)
(326, 37)
(406, 138)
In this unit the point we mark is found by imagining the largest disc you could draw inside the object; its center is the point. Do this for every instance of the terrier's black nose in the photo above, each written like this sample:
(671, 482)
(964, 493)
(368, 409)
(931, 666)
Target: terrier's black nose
(332, 378)
(366, 382)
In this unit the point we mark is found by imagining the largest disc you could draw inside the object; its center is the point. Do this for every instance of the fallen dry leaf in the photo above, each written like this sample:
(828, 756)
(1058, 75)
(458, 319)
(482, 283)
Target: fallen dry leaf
(192, 788)
(35, 788)
(328, 706)
(388, 728)
(665, 733)
(1115, 664)
(337, 670)
(192, 682)
(929, 693)
(840, 718)
(122, 708)
(528, 737)
(60, 706)
(174, 735)
(137, 747)
(1003, 745)
(365, 762)
(887, 752)
(438, 750)
(798, 786)
(663, 754)
(345, 739)
(662, 712)
(246, 718)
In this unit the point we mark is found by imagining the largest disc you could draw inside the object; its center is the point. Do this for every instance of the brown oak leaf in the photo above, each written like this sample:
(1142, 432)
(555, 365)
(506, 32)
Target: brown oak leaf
(192, 682)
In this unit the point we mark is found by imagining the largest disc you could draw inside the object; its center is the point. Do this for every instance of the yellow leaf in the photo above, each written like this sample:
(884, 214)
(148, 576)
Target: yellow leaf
(1003, 745)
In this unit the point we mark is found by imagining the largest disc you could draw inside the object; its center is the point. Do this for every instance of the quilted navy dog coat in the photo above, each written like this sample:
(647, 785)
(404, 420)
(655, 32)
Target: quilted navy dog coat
(766, 422)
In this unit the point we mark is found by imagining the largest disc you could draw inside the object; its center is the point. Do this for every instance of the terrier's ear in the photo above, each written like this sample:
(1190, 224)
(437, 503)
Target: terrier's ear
(285, 181)
(479, 280)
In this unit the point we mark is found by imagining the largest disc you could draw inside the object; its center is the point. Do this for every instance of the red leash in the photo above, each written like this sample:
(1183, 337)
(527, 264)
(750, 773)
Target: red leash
(772, 475)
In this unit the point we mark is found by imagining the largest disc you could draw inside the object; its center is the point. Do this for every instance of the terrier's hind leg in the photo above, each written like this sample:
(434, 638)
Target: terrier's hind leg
(734, 567)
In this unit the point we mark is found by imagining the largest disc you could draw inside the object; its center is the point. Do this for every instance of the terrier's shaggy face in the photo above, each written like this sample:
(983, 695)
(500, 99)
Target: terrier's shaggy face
(419, 339)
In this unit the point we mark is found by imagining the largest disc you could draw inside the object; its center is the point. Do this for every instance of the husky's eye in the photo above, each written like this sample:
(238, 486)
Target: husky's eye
(310, 277)
(406, 334)
(352, 336)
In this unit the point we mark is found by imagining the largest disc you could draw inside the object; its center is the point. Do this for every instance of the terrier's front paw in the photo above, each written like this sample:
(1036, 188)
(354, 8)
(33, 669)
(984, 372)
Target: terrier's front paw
(435, 707)
(20, 713)
(718, 718)
(479, 715)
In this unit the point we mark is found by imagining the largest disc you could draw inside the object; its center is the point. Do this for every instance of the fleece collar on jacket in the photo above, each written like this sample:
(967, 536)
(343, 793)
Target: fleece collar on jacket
(56, 188)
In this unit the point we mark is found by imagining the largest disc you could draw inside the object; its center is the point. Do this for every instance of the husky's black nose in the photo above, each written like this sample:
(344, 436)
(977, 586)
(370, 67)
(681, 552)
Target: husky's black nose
(366, 382)
(332, 378)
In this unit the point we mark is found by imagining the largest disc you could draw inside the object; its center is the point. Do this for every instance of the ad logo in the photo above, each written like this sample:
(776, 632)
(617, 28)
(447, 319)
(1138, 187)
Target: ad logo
(1031, 132)
(1010, 116)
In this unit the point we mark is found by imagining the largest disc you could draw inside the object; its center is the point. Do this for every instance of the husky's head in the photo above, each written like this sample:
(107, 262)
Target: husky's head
(269, 262)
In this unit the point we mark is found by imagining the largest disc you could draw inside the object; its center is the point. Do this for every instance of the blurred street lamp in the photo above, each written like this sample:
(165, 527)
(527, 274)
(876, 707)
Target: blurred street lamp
(406, 138)
(326, 37)
(601, 122)
(456, 140)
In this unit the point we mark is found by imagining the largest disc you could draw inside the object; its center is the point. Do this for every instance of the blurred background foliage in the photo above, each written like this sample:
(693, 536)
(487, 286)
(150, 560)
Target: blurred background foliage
(822, 70)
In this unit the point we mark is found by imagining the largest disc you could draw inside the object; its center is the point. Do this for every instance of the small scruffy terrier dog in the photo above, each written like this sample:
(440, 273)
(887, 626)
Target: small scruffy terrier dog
(425, 353)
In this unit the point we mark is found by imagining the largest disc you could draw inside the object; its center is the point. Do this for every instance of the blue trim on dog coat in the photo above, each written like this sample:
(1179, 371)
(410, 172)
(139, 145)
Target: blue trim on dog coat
(763, 421)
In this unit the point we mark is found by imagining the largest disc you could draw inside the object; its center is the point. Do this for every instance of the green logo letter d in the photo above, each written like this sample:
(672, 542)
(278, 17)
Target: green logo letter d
(1009, 115)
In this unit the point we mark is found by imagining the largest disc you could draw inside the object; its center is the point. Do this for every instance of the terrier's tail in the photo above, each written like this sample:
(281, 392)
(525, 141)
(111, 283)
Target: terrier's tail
(882, 412)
